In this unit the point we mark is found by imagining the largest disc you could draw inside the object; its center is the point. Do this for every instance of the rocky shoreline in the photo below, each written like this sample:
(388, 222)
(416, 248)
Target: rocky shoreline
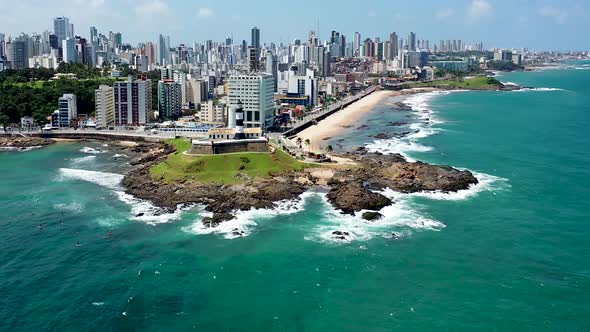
(350, 189)
(21, 143)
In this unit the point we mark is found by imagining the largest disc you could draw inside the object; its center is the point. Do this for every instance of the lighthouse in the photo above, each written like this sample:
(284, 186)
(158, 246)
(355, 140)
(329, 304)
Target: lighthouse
(240, 122)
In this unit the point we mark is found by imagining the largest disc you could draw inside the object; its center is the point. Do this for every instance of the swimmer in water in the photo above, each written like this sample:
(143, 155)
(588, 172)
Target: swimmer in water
(78, 244)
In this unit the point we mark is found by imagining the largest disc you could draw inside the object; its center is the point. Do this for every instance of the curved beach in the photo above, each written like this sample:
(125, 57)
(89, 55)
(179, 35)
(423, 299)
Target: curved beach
(335, 123)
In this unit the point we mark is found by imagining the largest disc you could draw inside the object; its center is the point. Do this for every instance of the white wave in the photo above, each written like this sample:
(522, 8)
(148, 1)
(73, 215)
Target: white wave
(420, 103)
(245, 221)
(141, 210)
(82, 160)
(509, 83)
(120, 156)
(148, 213)
(538, 89)
(401, 219)
(98, 304)
(486, 183)
(103, 179)
(75, 207)
(90, 150)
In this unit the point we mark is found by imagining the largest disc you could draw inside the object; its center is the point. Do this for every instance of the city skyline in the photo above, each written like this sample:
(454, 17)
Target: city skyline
(548, 25)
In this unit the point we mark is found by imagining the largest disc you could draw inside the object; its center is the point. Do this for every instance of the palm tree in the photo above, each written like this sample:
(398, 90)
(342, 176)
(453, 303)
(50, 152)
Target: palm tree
(299, 142)
(329, 150)
(307, 142)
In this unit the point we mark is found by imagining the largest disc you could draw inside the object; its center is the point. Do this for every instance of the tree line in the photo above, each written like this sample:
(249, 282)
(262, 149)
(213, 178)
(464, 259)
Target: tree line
(28, 92)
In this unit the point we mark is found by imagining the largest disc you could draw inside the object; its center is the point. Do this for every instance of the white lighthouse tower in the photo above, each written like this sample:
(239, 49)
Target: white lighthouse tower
(240, 122)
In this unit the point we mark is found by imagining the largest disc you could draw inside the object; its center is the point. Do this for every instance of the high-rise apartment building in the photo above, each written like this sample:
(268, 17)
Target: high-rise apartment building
(68, 110)
(69, 50)
(256, 92)
(104, 100)
(133, 102)
(169, 99)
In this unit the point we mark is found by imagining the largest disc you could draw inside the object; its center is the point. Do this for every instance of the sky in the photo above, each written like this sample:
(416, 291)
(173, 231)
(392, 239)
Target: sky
(535, 24)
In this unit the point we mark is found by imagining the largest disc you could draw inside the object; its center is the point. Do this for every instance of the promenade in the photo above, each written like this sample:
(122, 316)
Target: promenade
(316, 116)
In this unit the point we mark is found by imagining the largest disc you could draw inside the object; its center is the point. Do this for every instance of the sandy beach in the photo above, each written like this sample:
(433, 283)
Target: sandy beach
(332, 125)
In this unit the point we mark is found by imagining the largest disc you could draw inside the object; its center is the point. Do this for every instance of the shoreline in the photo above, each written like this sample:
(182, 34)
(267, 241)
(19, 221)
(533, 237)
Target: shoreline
(337, 122)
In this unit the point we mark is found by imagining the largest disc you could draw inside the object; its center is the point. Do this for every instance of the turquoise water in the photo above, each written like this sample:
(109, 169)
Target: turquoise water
(510, 254)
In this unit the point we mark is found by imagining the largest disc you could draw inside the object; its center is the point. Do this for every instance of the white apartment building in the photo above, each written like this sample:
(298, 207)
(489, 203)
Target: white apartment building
(256, 92)
(211, 113)
(105, 106)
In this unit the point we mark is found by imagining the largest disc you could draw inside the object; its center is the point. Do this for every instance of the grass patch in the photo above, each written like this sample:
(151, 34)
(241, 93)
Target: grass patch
(473, 83)
(222, 169)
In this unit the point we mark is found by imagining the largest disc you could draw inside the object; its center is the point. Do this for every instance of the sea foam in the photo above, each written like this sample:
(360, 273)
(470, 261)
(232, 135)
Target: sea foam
(420, 103)
(401, 219)
(245, 221)
(141, 210)
(90, 150)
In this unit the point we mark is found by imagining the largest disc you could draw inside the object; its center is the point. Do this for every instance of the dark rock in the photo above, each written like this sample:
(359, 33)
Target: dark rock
(352, 196)
(372, 216)
(397, 124)
(362, 127)
(382, 136)
(140, 215)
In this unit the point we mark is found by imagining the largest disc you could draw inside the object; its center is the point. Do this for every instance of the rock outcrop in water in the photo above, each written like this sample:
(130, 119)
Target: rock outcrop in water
(350, 190)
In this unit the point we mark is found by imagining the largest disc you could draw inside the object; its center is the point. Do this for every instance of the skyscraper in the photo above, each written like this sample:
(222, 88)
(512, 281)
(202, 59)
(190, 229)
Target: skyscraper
(255, 38)
(412, 41)
(69, 50)
(61, 28)
(394, 46)
(94, 36)
(356, 45)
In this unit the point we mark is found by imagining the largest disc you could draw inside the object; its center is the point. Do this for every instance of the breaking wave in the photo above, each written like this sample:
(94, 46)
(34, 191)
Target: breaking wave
(90, 150)
(141, 210)
(245, 221)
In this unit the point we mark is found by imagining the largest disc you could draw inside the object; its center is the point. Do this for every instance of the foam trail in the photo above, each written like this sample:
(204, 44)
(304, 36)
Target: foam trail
(538, 89)
(82, 160)
(244, 221)
(103, 179)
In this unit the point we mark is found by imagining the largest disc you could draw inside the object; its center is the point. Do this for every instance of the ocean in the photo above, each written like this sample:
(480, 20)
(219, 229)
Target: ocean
(511, 253)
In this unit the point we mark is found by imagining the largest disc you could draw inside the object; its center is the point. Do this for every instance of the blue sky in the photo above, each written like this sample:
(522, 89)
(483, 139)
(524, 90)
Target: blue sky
(543, 24)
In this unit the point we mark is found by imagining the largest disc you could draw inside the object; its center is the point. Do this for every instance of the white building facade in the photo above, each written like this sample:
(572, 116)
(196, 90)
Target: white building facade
(104, 100)
(256, 92)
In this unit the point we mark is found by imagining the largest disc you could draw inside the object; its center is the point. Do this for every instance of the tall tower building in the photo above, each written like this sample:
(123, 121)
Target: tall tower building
(356, 45)
(61, 28)
(394, 46)
(412, 41)
(169, 99)
(255, 38)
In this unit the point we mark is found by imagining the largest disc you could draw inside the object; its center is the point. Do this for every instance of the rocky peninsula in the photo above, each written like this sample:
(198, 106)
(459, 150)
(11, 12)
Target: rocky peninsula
(351, 188)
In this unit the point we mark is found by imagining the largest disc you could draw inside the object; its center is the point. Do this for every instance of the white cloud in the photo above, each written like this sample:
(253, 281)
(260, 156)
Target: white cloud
(558, 15)
(205, 12)
(478, 9)
(153, 7)
(444, 13)
(372, 13)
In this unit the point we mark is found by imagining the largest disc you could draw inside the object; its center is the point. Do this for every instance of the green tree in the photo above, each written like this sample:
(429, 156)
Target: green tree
(329, 150)
(307, 144)
(299, 142)
(4, 120)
